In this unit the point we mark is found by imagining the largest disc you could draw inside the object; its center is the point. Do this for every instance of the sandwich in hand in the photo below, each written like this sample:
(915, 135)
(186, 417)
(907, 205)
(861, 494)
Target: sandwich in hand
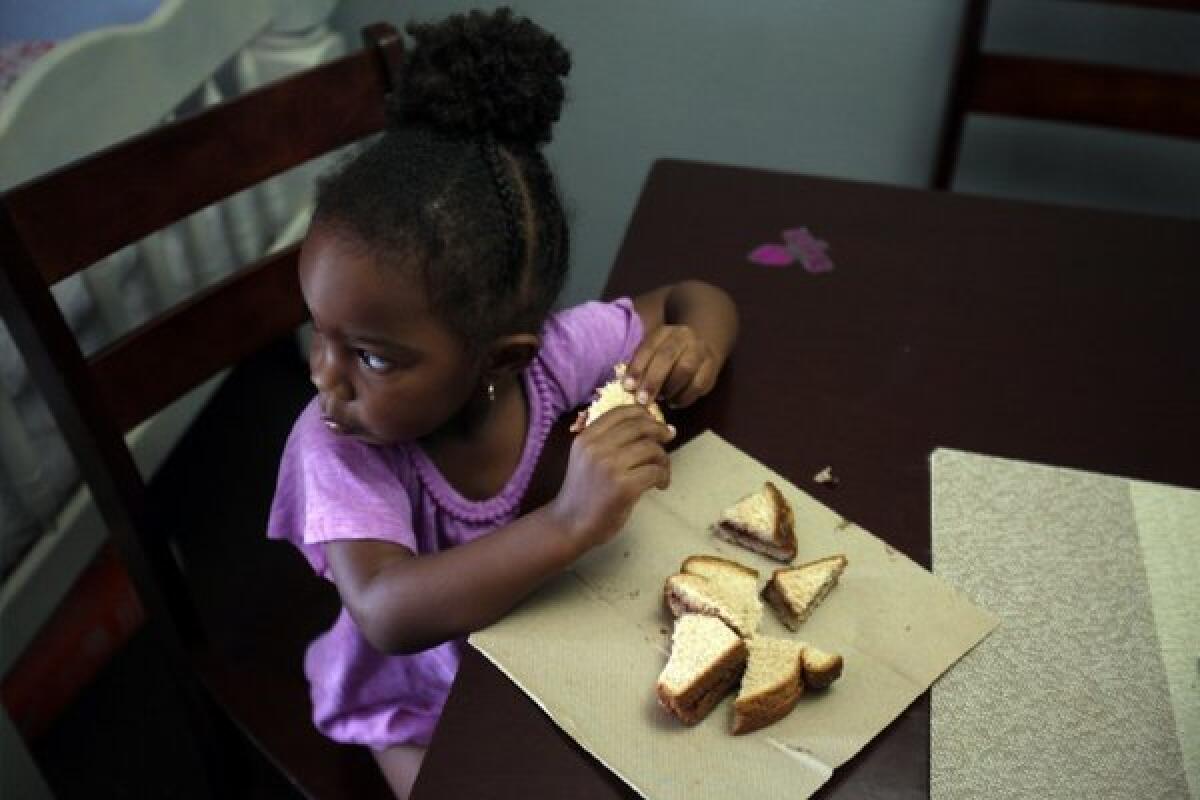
(762, 522)
(706, 661)
(717, 587)
(612, 395)
(795, 591)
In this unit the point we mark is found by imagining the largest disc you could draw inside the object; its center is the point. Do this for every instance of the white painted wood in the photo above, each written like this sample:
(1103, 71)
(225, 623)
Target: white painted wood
(46, 119)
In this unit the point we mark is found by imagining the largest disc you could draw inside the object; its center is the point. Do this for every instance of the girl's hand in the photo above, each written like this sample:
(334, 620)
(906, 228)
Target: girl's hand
(613, 462)
(674, 363)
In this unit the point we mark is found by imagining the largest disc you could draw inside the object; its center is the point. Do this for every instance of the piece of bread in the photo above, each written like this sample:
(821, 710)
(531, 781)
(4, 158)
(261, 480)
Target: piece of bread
(795, 591)
(821, 667)
(717, 587)
(762, 522)
(706, 660)
(772, 684)
(612, 395)
(739, 577)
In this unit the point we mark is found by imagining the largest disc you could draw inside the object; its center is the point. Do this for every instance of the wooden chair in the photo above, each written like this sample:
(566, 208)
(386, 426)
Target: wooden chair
(241, 680)
(1041, 88)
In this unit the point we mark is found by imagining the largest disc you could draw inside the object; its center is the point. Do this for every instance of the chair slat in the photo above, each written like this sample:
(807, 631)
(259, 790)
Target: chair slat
(1091, 94)
(1164, 5)
(267, 122)
(59, 369)
(1035, 87)
(145, 370)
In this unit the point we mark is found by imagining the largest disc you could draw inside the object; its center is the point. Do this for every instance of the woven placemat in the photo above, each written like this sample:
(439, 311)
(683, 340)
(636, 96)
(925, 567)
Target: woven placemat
(1070, 696)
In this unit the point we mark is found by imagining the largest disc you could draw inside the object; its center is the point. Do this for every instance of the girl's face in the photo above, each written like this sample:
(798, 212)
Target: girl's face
(387, 370)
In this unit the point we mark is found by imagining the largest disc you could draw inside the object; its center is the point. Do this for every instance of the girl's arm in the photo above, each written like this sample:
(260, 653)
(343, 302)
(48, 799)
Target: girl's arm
(405, 603)
(690, 330)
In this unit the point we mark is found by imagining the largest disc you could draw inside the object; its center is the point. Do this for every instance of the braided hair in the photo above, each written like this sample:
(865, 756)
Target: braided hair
(458, 184)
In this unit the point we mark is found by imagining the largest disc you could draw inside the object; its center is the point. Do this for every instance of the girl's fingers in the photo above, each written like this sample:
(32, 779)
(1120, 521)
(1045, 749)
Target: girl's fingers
(672, 364)
(649, 476)
(653, 378)
(641, 359)
(622, 426)
(682, 376)
(701, 384)
(643, 452)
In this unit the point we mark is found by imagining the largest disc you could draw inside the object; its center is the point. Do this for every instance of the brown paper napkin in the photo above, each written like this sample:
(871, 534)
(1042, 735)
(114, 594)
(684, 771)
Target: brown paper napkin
(588, 647)
(1088, 689)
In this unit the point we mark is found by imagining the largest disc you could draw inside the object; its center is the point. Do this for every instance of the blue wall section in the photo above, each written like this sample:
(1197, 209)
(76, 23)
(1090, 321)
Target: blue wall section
(853, 89)
(59, 19)
(849, 88)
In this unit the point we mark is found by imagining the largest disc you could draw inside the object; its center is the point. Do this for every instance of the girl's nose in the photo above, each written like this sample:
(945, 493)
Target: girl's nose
(324, 371)
(328, 385)
(331, 387)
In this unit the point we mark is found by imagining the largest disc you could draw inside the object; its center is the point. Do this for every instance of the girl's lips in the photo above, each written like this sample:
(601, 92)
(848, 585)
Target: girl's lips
(336, 426)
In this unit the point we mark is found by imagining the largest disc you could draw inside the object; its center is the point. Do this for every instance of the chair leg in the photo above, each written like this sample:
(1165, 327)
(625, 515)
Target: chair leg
(19, 775)
(954, 115)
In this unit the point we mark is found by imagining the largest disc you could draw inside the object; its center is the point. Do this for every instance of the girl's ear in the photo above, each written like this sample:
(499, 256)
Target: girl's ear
(511, 354)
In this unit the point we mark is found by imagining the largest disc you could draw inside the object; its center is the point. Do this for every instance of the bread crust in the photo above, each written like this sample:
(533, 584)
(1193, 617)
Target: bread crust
(691, 561)
(689, 591)
(775, 599)
(821, 668)
(762, 709)
(791, 615)
(737, 536)
(680, 604)
(694, 704)
(782, 546)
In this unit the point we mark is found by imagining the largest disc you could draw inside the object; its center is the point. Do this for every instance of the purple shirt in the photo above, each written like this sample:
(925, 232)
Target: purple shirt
(332, 487)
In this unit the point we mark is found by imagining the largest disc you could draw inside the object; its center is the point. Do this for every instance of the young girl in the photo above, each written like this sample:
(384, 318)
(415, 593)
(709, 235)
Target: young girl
(429, 270)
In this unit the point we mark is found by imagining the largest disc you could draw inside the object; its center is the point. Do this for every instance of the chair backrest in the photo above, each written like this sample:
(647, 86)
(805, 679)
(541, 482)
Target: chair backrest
(53, 226)
(1034, 87)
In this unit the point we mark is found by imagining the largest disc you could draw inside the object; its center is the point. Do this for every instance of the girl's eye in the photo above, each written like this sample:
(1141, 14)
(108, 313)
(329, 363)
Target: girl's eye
(373, 362)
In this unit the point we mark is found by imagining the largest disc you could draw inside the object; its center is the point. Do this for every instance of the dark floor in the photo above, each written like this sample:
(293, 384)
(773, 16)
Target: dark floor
(124, 736)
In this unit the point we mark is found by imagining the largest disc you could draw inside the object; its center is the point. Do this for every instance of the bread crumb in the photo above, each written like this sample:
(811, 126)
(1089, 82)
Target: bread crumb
(826, 477)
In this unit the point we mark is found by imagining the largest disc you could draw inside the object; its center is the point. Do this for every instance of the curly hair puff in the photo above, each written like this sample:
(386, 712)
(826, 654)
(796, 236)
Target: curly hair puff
(458, 182)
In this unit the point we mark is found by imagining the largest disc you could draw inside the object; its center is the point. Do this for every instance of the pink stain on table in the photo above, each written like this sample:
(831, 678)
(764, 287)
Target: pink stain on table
(798, 245)
(771, 255)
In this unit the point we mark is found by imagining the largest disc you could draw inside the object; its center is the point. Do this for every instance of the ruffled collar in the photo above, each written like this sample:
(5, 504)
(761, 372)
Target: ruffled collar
(504, 504)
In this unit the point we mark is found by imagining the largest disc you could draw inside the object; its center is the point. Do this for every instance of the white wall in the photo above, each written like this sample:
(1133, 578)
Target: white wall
(852, 88)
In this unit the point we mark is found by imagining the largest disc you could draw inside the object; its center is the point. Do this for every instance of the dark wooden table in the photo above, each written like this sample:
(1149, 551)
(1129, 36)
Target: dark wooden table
(1049, 334)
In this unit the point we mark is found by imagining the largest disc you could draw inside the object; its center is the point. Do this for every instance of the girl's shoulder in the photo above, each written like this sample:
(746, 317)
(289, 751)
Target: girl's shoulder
(594, 325)
(330, 487)
(581, 344)
(313, 448)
